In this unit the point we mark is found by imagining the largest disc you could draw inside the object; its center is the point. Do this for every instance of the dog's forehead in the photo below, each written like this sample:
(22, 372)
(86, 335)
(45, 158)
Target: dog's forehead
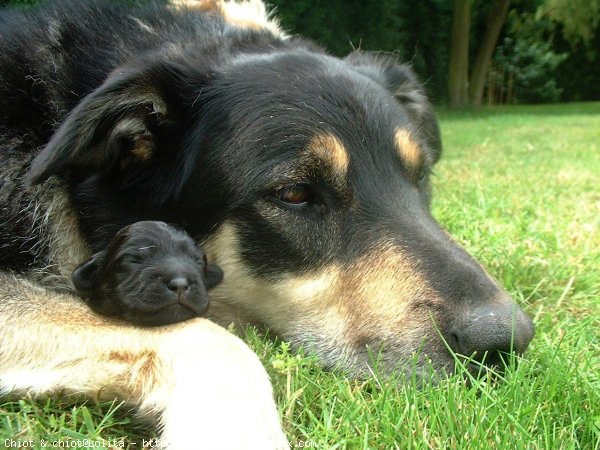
(309, 90)
(301, 104)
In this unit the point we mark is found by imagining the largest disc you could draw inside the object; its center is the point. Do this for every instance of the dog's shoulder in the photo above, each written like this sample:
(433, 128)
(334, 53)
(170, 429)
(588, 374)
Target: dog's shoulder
(54, 55)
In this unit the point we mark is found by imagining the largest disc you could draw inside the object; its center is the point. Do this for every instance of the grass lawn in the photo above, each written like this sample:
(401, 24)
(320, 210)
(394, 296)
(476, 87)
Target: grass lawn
(519, 187)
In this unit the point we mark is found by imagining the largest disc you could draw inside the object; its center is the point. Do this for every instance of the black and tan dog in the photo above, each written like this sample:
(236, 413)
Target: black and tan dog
(305, 177)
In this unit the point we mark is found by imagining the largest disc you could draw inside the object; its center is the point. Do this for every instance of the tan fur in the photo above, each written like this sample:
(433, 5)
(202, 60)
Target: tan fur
(408, 149)
(331, 311)
(328, 148)
(250, 14)
(57, 225)
(199, 379)
(143, 148)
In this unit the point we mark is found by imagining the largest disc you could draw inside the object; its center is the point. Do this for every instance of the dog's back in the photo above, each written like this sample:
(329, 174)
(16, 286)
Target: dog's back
(50, 58)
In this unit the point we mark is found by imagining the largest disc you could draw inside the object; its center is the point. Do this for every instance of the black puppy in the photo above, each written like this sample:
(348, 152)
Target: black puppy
(150, 274)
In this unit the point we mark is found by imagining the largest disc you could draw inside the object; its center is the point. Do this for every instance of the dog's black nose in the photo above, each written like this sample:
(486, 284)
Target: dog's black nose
(489, 331)
(179, 285)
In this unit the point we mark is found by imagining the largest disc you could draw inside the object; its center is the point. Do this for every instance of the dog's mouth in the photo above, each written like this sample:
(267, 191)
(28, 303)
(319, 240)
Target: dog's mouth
(169, 313)
(406, 364)
(197, 308)
(188, 303)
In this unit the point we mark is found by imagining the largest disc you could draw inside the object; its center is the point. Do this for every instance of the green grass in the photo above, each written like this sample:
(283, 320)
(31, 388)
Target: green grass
(519, 187)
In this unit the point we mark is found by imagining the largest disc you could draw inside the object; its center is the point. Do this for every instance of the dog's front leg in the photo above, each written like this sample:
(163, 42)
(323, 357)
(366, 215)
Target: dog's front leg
(202, 386)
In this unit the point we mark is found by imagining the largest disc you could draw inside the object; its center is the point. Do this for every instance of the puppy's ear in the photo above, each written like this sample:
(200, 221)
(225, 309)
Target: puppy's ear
(214, 275)
(120, 122)
(88, 275)
(402, 82)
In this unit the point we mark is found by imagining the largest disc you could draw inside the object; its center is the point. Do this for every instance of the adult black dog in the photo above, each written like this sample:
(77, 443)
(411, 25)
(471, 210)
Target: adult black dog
(304, 176)
(150, 274)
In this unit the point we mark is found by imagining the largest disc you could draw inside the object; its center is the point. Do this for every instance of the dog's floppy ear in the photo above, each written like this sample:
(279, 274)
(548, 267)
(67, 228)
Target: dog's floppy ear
(118, 122)
(402, 82)
(89, 274)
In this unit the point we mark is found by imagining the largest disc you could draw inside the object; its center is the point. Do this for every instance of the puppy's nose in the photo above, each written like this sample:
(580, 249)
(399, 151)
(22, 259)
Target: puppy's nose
(494, 329)
(179, 285)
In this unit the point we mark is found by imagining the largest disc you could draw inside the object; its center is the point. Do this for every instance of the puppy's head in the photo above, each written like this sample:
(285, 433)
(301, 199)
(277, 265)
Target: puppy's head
(150, 274)
(307, 179)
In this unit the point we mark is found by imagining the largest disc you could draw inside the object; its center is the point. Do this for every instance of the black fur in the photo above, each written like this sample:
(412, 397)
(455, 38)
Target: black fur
(178, 88)
(152, 113)
(150, 274)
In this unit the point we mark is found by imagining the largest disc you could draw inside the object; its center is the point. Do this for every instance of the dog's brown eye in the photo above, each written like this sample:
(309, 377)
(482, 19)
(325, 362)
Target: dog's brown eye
(297, 194)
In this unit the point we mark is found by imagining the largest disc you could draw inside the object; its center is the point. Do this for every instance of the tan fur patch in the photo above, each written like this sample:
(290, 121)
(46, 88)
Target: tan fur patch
(251, 14)
(385, 283)
(199, 5)
(328, 148)
(331, 311)
(143, 147)
(129, 357)
(53, 343)
(408, 149)
(57, 225)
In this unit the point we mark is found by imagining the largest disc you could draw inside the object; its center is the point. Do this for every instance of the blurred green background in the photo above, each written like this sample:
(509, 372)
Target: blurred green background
(546, 50)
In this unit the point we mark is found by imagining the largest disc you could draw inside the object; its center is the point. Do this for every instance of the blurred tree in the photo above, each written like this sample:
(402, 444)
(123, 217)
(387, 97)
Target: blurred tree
(462, 87)
(579, 18)
(576, 32)
(495, 20)
(530, 65)
(535, 62)
(458, 67)
(579, 74)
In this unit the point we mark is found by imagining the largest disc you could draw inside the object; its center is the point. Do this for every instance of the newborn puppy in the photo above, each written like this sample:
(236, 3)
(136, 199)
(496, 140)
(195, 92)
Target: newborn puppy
(150, 274)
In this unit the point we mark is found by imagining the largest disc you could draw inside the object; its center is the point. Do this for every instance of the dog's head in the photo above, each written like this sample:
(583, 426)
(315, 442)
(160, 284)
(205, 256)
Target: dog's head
(150, 274)
(307, 179)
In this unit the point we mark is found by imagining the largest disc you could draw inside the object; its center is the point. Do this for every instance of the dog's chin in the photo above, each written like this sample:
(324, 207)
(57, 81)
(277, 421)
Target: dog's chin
(427, 364)
(419, 369)
(415, 371)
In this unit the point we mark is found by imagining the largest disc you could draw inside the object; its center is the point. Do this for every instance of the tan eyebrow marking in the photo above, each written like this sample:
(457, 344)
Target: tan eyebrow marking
(408, 149)
(329, 148)
(142, 148)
